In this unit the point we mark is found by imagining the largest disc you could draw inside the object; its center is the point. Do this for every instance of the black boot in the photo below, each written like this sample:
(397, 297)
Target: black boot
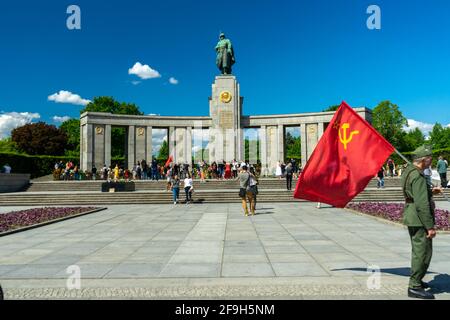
(419, 293)
(425, 285)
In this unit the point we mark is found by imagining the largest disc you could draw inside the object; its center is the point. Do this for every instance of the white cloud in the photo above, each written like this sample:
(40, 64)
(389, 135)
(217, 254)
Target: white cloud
(64, 96)
(423, 126)
(143, 71)
(135, 83)
(12, 120)
(172, 80)
(61, 119)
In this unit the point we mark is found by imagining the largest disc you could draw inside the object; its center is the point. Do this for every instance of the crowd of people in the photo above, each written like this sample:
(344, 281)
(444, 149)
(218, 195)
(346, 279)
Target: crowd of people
(142, 170)
(391, 170)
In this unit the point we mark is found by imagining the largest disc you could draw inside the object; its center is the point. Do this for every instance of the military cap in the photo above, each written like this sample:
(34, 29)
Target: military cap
(422, 151)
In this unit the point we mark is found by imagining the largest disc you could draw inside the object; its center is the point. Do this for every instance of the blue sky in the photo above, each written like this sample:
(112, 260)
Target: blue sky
(292, 56)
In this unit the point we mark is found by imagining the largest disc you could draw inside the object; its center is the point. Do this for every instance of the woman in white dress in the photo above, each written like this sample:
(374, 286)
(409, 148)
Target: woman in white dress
(278, 172)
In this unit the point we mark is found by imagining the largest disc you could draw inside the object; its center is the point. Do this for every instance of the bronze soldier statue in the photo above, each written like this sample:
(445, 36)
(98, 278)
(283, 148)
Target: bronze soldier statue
(225, 55)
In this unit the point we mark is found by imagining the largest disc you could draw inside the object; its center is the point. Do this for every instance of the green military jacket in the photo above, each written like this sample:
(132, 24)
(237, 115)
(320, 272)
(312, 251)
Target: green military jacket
(419, 207)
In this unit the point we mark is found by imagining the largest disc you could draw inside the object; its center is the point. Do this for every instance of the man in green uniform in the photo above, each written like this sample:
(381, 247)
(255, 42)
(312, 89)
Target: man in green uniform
(419, 217)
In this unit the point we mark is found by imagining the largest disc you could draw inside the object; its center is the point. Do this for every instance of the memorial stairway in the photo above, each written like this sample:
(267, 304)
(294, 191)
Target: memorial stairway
(153, 192)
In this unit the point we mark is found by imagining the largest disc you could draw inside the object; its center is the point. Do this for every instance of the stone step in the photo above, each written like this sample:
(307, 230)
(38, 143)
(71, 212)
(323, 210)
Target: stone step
(63, 198)
(161, 185)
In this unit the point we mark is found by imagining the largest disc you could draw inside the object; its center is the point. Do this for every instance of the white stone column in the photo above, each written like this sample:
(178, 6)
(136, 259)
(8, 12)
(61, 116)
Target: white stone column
(280, 143)
(311, 138)
(140, 143)
(263, 150)
(212, 144)
(303, 144)
(88, 146)
(98, 150)
(180, 145)
(107, 146)
(188, 147)
(172, 143)
(149, 144)
(241, 145)
(131, 156)
(320, 128)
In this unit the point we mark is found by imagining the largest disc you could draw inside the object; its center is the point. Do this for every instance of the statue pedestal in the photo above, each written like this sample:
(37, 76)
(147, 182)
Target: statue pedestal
(225, 135)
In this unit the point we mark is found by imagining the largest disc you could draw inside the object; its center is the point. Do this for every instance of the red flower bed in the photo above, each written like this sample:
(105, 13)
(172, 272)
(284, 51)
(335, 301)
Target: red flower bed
(394, 212)
(18, 219)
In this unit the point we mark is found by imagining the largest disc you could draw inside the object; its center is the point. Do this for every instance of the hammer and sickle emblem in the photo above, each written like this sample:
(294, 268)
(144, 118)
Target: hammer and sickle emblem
(343, 137)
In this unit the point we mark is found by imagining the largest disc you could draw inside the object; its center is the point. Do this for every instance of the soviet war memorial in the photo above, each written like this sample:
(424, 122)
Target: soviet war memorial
(237, 161)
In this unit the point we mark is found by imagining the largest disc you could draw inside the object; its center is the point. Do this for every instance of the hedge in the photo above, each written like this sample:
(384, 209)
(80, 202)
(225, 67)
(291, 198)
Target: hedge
(37, 166)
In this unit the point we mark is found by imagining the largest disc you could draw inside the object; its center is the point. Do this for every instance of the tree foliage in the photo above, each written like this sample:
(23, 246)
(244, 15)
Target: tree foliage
(72, 129)
(7, 145)
(332, 108)
(389, 121)
(440, 137)
(109, 104)
(293, 147)
(40, 139)
(163, 153)
(412, 140)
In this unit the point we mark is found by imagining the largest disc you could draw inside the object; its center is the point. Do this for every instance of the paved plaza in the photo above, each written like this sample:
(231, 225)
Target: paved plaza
(209, 251)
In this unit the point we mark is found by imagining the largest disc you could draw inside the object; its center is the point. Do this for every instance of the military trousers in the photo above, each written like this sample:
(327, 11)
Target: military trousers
(422, 250)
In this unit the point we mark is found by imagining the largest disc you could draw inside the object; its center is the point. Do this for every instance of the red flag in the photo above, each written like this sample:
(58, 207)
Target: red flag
(347, 157)
(169, 160)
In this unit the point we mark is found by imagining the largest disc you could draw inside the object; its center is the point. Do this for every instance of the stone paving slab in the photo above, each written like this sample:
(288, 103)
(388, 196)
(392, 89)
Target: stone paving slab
(212, 251)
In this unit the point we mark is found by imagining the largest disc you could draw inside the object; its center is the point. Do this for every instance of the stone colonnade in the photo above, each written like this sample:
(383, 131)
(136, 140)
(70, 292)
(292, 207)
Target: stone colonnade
(96, 128)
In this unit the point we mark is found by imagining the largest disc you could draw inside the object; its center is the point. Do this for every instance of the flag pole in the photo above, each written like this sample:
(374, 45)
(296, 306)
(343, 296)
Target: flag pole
(402, 156)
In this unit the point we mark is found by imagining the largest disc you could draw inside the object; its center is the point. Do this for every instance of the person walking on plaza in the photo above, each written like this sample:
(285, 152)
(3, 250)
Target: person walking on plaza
(94, 172)
(278, 171)
(235, 168)
(391, 167)
(253, 183)
(442, 166)
(289, 173)
(380, 178)
(188, 188)
(419, 217)
(245, 191)
(155, 175)
(175, 187)
(227, 174)
(169, 178)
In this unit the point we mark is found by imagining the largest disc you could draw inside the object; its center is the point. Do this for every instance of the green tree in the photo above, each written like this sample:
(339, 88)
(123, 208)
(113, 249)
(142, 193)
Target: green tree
(293, 147)
(440, 137)
(163, 153)
(247, 150)
(332, 108)
(389, 121)
(72, 129)
(412, 140)
(40, 139)
(8, 146)
(109, 104)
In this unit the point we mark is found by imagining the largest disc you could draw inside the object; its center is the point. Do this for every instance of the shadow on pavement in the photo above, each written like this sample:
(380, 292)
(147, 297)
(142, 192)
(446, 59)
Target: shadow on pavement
(259, 212)
(440, 284)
